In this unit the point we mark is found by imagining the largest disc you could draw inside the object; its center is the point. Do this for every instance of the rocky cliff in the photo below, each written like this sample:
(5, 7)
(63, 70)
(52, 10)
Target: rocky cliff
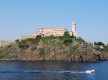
(51, 48)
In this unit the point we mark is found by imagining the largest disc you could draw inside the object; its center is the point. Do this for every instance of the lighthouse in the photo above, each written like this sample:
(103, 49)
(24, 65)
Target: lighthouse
(74, 33)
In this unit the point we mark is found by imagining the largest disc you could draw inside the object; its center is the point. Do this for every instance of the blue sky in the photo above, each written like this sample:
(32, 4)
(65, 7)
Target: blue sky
(23, 17)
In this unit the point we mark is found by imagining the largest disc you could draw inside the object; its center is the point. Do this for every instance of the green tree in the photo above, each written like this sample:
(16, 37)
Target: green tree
(49, 38)
(66, 38)
(99, 43)
(23, 46)
(66, 35)
(80, 40)
(17, 40)
(38, 38)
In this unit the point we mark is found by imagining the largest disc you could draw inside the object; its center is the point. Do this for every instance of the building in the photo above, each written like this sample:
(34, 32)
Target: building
(24, 37)
(6, 42)
(74, 33)
(45, 32)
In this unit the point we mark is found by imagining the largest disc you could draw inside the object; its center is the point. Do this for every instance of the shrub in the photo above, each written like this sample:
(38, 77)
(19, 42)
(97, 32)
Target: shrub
(23, 46)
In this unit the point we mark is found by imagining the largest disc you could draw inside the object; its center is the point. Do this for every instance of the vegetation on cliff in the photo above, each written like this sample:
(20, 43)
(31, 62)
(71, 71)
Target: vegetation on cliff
(54, 48)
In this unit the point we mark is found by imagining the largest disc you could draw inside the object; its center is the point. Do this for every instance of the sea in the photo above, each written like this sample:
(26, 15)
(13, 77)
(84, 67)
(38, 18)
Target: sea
(52, 70)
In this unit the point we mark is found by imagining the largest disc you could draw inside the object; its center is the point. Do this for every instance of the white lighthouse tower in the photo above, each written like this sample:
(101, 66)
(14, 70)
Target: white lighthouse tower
(74, 33)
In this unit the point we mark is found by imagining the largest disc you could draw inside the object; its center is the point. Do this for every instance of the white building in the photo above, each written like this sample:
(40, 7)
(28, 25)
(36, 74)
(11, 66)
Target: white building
(74, 33)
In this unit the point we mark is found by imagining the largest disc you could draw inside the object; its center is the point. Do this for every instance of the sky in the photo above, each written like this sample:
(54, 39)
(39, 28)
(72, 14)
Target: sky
(23, 17)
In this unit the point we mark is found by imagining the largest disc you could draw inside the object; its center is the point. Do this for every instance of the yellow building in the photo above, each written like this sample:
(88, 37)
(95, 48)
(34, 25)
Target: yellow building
(24, 37)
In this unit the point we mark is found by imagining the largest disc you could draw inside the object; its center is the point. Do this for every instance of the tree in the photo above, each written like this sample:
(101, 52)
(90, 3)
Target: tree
(99, 43)
(66, 35)
(22, 46)
(38, 38)
(49, 38)
(106, 48)
(80, 40)
(17, 40)
(67, 38)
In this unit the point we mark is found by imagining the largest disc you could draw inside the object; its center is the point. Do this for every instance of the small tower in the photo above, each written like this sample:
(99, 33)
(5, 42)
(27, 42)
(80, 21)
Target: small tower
(74, 33)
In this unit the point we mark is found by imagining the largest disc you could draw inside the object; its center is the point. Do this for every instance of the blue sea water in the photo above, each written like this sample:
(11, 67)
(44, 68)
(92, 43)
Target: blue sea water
(52, 70)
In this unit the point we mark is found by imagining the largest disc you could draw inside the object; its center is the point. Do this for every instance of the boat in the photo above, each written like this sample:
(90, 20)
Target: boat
(90, 71)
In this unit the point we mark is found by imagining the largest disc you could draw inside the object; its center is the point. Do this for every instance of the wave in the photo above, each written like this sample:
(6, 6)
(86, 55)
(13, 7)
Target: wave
(44, 71)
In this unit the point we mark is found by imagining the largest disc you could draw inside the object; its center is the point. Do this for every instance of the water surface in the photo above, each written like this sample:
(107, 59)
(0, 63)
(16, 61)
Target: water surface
(52, 70)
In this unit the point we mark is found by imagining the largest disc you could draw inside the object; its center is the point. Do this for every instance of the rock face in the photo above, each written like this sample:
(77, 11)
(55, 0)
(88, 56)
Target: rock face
(81, 53)
(52, 50)
(88, 54)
